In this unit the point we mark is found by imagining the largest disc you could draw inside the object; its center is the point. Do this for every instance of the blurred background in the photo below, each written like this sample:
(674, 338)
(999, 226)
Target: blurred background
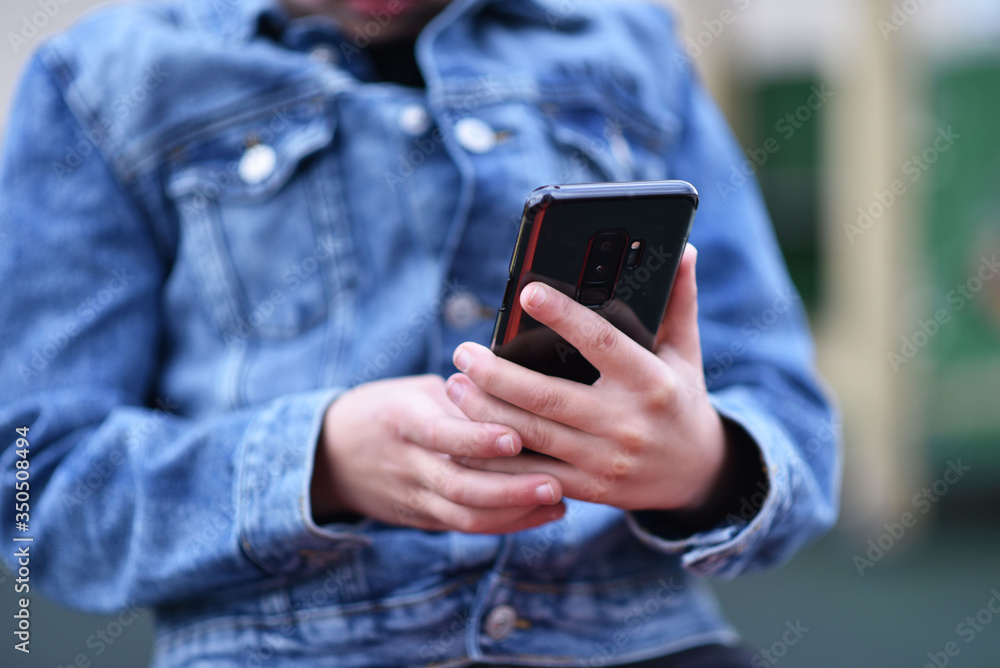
(874, 129)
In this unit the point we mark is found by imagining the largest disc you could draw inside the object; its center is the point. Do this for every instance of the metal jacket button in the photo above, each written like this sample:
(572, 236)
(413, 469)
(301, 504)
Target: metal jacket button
(257, 163)
(500, 622)
(323, 54)
(475, 136)
(462, 311)
(414, 120)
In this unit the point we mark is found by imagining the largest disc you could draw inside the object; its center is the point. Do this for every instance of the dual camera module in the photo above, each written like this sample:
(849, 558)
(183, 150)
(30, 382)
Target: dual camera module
(608, 253)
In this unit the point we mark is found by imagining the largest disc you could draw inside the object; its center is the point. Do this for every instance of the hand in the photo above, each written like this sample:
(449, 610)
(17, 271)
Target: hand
(386, 452)
(644, 436)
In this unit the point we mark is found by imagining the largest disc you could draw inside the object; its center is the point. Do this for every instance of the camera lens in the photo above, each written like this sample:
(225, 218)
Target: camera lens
(601, 267)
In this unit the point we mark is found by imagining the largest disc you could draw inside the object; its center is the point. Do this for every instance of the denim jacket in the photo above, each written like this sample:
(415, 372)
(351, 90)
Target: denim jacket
(213, 220)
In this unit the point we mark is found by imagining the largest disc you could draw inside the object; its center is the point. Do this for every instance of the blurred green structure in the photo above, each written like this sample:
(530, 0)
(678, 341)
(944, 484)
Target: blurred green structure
(963, 247)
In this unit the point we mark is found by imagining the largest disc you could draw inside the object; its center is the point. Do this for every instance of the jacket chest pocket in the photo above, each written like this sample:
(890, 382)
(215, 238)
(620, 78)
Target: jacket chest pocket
(600, 137)
(258, 217)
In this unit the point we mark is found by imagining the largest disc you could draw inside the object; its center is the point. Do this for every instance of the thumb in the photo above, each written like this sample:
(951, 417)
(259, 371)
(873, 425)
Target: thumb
(679, 329)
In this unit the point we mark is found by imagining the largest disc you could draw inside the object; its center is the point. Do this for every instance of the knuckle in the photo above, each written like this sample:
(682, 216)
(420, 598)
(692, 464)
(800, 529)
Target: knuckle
(601, 336)
(535, 437)
(546, 401)
(631, 439)
(432, 433)
(593, 492)
(438, 481)
(454, 490)
(660, 398)
(467, 521)
(472, 443)
(507, 497)
(485, 440)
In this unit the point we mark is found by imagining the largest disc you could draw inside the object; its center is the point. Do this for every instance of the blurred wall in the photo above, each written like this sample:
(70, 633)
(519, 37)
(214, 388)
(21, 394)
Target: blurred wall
(24, 24)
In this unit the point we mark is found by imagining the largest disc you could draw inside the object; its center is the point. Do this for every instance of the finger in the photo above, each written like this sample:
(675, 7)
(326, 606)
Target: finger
(462, 437)
(435, 389)
(425, 510)
(523, 464)
(609, 350)
(679, 329)
(431, 426)
(488, 521)
(537, 433)
(575, 483)
(554, 398)
(478, 489)
(534, 519)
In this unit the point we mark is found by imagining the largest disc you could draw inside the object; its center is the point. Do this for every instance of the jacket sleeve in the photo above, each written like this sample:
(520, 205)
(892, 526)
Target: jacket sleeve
(130, 501)
(757, 353)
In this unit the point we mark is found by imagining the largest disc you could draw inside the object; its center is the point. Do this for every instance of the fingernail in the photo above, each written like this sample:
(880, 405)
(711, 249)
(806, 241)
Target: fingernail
(461, 360)
(545, 494)
(505, 445)
(537, 296)
(455, 391)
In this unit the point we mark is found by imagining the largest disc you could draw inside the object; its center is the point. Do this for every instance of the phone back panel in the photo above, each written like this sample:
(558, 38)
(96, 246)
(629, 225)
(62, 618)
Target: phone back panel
(556, 245)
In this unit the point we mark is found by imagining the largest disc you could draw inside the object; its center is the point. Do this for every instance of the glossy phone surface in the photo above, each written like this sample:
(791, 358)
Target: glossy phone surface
(614, 247)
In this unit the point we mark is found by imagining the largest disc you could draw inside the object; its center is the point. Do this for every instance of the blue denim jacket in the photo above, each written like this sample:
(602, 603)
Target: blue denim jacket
(213, 221)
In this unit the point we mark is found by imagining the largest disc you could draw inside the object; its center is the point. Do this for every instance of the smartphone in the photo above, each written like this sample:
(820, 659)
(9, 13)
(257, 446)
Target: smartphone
(613, 247)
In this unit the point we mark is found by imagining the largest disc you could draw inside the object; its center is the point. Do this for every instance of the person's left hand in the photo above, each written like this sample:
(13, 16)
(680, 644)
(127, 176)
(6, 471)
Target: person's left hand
(642, 437)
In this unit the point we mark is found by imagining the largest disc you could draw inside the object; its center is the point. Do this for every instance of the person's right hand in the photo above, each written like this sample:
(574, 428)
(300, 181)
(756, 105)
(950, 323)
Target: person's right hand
(386, 451)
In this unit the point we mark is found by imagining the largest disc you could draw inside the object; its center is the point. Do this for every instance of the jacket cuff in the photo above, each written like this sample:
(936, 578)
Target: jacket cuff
(275, 463)
(720, 551)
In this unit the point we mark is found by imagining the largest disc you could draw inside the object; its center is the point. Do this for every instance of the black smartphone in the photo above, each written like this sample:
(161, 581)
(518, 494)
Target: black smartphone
(613, 247)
